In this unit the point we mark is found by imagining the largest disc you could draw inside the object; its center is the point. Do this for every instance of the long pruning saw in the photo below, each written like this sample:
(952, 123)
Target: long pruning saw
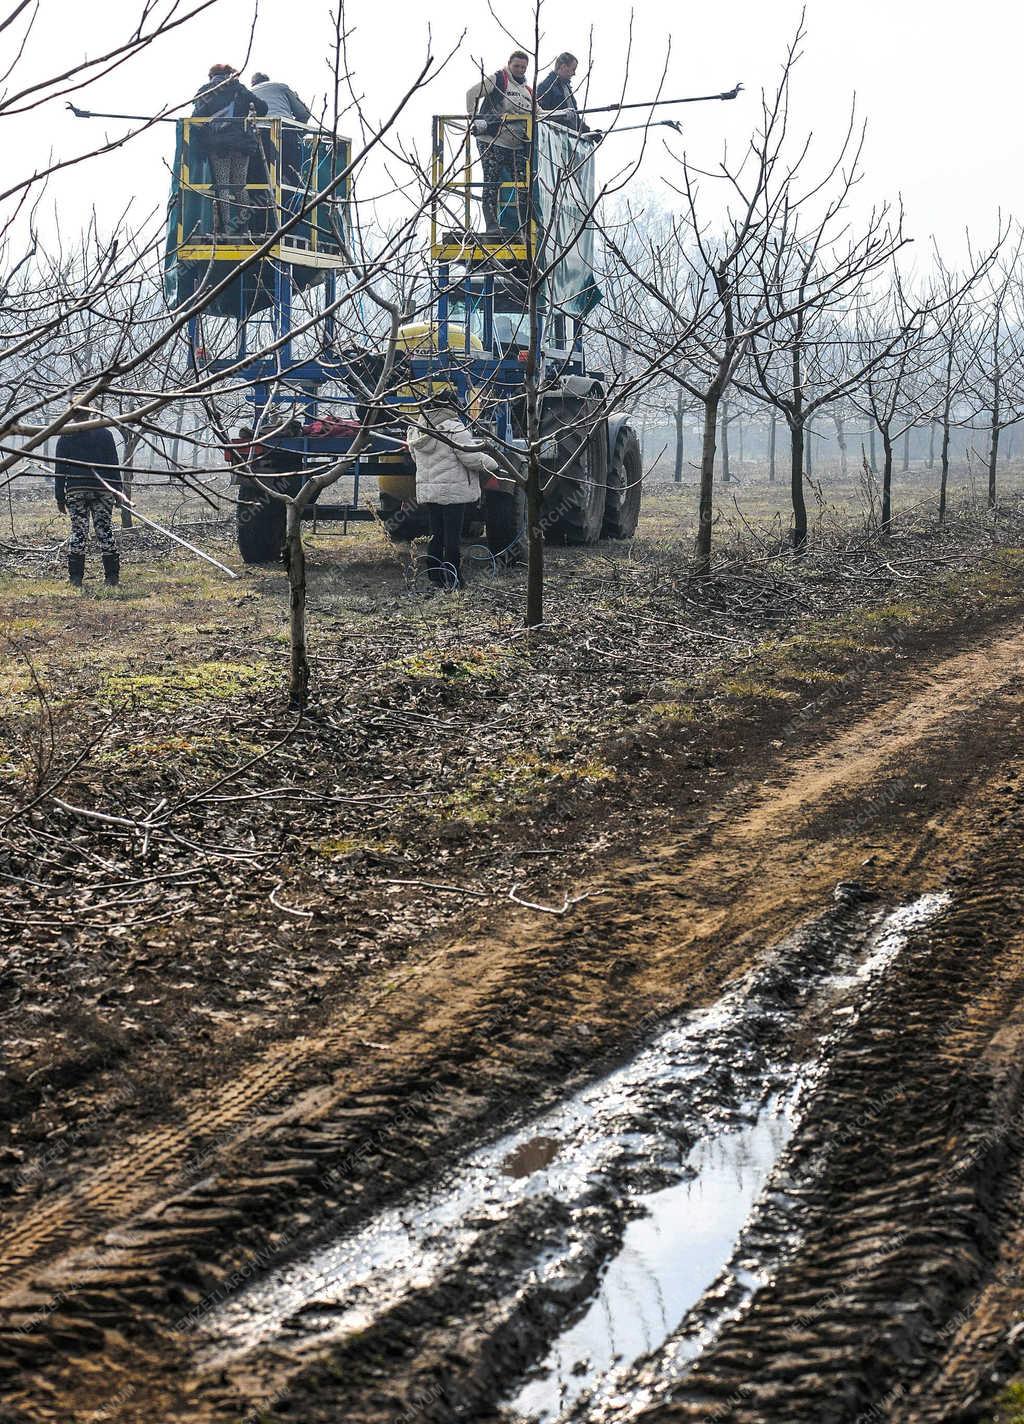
(732, 93)
(654, 124)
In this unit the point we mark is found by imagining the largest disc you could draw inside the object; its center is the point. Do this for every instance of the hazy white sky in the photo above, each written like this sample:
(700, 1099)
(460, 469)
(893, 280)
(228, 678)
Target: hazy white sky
(938, 82)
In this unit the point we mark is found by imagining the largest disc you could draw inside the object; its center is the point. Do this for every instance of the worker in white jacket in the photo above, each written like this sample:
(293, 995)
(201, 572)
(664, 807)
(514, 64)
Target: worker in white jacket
(448, 471)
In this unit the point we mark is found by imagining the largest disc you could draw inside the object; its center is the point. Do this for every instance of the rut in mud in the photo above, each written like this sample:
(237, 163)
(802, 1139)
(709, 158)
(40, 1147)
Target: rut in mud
(830, 1093)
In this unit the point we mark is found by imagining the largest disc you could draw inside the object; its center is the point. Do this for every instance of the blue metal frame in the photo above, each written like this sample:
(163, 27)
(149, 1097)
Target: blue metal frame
(470, 284)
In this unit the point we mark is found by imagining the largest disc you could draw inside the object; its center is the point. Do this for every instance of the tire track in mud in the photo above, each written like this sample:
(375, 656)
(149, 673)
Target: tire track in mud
(898, 1302)
(664, 933)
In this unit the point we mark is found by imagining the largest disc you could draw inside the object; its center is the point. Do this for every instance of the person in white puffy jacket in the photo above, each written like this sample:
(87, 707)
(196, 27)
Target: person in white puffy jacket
(448, 471)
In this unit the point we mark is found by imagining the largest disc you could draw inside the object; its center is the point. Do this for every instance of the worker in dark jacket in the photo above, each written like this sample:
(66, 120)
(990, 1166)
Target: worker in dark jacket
(555, 96)
(88, 474)
(228, 142)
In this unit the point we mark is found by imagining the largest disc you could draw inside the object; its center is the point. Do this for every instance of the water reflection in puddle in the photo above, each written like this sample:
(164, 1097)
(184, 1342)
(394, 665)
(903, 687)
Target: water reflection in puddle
(669, 1257)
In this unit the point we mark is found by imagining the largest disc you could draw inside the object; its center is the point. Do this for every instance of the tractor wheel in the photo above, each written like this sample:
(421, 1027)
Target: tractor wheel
(505, 511)
(260, 524)
(625, 472)
(574, 479)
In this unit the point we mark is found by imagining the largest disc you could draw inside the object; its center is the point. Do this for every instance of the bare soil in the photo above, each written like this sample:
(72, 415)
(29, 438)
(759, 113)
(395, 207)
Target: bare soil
(291, 977)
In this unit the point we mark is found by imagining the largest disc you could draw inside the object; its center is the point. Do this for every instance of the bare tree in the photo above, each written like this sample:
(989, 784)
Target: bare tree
(893, 352)
(953, 354)
(811, 271)
(993, 374)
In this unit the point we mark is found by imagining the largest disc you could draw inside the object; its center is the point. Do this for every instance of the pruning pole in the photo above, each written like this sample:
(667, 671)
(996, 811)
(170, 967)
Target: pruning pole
(161, 530)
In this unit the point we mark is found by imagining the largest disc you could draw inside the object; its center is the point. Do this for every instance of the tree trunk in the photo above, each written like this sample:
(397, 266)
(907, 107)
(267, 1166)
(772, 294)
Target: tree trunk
(771, 451)
(808, 466)
(944, 458)
(906, 449)
(886, 485)
(679, 415)
(131, 444)
(295, 557)
(178, 424)
(931, 444)
(702, 552)
(725, 442)
(841, 442)
(871, 447)
(993, 460)
(739, 431)
(534, 542)
(796, 476)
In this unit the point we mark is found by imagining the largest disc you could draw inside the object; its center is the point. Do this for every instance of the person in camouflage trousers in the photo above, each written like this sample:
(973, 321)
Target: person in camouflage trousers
(87, 462)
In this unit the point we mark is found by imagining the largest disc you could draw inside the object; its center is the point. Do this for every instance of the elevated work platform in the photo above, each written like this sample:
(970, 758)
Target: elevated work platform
(296, 181)
(457, 231)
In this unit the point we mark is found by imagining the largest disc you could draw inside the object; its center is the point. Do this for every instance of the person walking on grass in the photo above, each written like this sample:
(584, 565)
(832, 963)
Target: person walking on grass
(87, 462)
(448, 471)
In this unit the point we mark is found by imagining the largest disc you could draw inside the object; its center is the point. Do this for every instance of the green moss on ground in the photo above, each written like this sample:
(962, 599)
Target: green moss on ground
(1010, 1405)
(518, 782)
(342, 846)
(826, 653)
(461, 664)
(201, 682)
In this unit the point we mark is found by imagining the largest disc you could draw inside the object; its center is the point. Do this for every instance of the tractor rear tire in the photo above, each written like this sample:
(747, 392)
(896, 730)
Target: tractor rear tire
(260, 524)
(625, 475)
(505, 511)
(574, 482)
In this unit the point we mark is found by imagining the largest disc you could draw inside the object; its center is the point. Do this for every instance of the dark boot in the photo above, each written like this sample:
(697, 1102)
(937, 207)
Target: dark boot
(492, 227)
(76, 569)
(111, 568)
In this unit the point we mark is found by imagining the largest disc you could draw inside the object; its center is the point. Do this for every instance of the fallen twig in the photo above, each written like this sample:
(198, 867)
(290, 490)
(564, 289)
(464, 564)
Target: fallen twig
(570, 900)
(287, 909)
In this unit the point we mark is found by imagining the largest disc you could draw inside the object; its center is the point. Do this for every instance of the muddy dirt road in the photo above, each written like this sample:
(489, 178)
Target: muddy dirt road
(738, 1136)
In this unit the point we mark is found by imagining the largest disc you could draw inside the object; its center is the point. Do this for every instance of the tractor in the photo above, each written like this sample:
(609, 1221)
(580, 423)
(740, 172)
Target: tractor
(475, 336)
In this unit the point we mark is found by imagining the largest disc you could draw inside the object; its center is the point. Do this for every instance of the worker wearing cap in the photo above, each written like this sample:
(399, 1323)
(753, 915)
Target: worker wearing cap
(555, 97)
(497, 106)
(283, 103)
(281, 99)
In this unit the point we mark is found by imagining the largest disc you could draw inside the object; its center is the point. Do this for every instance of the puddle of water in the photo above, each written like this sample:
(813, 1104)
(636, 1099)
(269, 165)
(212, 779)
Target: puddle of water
(406, 1246)
(891, 938)
(669, 1257)
(609, 1130)
(686, 1241)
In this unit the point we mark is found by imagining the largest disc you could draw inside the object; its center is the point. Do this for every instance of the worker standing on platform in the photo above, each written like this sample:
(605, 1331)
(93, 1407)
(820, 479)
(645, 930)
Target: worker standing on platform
(87, 462)
(281, 99)
(497, 106)
(227, 141)
(555, 97)
(283, 103)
